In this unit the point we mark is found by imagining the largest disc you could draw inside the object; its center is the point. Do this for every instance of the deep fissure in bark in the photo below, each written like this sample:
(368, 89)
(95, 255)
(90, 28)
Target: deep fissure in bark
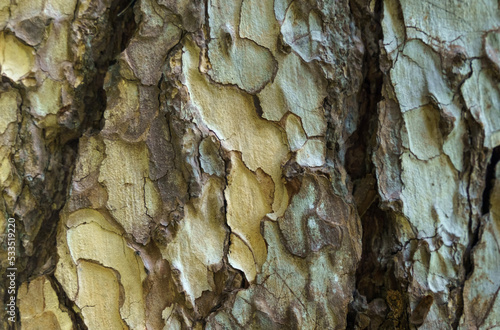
(65, 147)
(490, 177)
(376, 281)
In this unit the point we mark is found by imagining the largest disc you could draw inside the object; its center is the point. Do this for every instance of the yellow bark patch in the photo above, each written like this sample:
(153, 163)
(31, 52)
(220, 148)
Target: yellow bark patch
(46, 99)
(240, 257)
(248, 202)
(199, 242)
(16, 59)
(261, 143)
(123, 172)
(8, 109)
(99, 292)
(93, 254)
(39, 306)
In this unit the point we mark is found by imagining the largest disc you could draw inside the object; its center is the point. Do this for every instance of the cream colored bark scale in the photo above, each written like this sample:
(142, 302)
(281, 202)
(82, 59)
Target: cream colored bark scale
(16, 59)
(84, 269)
(40, 308)
(199, 244)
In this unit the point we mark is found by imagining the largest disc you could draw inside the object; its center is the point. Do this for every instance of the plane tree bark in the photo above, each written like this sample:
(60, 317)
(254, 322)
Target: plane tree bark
(251, 164)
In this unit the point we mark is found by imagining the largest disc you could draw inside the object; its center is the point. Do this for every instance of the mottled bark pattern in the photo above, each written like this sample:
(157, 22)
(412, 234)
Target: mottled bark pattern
(247, 164)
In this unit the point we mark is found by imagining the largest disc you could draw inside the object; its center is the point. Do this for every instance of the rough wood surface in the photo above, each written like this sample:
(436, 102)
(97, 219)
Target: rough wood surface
(246, 164)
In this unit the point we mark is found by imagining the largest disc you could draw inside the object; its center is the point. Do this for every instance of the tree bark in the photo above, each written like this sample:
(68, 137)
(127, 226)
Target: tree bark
(250, 164)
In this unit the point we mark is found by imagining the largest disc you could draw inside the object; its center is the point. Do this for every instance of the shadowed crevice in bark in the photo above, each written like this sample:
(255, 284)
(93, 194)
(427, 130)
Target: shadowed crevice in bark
(380, 295)
(380, 299)
(63, 151)
(69, 305)
(490, 177)
(476, 226)
(105, 48)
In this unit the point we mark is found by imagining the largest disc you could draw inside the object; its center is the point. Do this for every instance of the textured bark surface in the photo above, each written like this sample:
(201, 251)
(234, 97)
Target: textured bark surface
(227, 164)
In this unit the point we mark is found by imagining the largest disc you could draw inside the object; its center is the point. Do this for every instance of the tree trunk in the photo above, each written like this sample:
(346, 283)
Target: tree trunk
(250, 164)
